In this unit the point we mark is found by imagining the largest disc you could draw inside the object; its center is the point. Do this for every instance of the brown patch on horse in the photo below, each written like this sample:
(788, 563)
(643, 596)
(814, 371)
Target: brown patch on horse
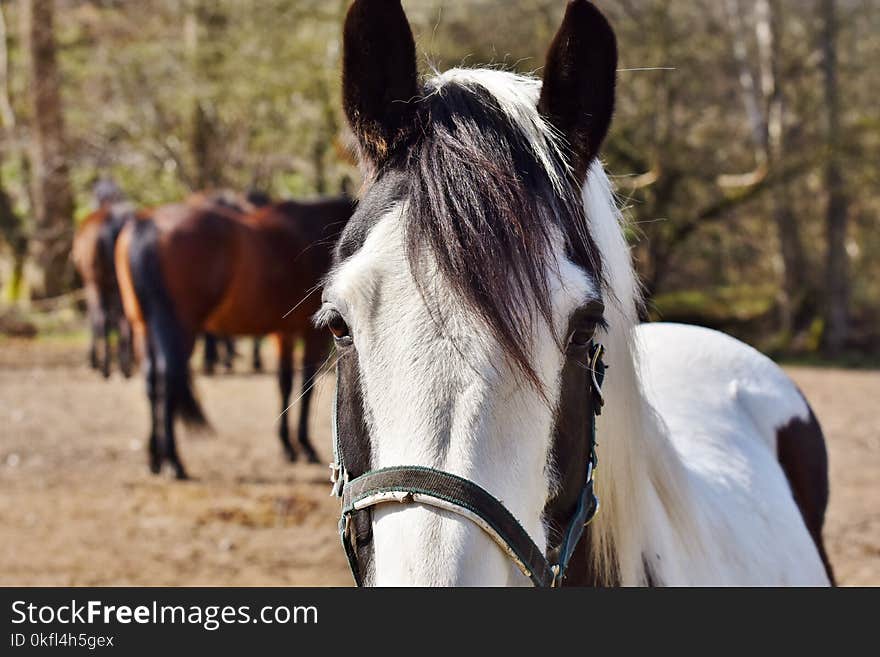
(800, 448)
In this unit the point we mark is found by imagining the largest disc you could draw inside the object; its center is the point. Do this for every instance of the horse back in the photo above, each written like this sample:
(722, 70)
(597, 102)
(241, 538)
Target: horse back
(751, 445)
(198, 248)
(282, 253)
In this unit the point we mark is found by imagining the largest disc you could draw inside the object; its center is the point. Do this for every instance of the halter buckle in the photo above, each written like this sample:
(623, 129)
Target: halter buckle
(337, 478)
(557, 576)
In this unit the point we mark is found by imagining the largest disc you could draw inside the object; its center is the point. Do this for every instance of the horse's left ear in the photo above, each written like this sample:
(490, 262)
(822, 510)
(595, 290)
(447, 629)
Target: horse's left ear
(577, 96)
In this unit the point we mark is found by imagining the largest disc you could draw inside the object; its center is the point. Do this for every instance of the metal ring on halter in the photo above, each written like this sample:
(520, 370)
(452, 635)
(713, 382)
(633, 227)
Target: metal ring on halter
(597, 375)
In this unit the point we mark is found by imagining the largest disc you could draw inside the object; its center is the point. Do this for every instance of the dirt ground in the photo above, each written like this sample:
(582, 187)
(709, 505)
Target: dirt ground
(78, 507)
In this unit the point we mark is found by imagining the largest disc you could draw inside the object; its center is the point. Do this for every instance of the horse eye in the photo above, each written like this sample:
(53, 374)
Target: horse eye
(338, 327)
(581, 337)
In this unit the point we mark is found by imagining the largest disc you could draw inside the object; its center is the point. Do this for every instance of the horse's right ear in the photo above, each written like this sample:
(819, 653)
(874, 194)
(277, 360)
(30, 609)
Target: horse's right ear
(379, 76)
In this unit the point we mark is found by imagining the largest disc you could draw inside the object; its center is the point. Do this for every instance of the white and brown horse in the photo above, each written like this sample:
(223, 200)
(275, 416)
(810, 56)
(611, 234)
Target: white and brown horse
(487, 242)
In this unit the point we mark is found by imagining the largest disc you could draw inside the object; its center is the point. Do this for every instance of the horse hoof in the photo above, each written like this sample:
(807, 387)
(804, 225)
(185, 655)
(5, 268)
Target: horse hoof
(180, 474)
(311, 455)
(291, 455)
(155, 466)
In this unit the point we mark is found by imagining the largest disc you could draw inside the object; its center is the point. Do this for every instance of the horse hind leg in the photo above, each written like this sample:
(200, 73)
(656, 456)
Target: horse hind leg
(94, 319)
(167, 373)
(125, 346)
(285, 385)
(98, 349)
(106, 363)
(211, 355)
(170, 341)
(314, 351)
(228, 353)
(154, 452)
(93, 352)
(172, 346)
(256, 358)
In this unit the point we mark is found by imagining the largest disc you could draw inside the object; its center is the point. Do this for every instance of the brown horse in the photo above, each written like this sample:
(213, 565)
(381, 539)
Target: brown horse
(214, 344)
(188, 268)
(93, 255)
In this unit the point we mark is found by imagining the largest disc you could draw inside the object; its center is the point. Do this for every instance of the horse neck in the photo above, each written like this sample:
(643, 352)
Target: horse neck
(641, 482)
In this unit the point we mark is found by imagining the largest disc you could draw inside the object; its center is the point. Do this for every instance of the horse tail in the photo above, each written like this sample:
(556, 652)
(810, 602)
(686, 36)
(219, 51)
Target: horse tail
(165, 334)
(105, 263)
(108, 234)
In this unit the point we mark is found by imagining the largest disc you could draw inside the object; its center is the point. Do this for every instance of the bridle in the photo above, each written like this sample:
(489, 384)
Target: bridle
(409, 484)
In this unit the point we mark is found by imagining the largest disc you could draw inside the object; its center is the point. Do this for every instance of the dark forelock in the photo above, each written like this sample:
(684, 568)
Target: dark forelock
(481, 203)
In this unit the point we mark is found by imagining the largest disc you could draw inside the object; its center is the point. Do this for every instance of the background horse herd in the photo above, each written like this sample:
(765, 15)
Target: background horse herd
(217, 263)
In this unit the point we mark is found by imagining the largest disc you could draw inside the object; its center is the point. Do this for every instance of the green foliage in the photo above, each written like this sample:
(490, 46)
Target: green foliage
(718, 304)
(168, 96)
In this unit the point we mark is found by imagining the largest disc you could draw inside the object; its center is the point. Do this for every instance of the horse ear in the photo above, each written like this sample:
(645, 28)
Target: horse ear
(379, 76)
(577, 96)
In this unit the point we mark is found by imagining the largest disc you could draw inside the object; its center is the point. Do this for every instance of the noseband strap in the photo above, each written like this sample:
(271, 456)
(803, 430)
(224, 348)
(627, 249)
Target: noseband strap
(419, 485)
(443, 490)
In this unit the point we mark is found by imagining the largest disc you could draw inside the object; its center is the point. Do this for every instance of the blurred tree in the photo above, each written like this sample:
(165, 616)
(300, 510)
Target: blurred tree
(11, 224)
(204, 40)
(764, 102)
(720, 145)
(837, 290)
(53, 201)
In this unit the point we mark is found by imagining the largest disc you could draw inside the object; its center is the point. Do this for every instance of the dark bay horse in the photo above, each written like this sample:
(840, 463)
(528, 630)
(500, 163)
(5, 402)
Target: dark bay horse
(93, 256)
(188, 268)
(215, 344)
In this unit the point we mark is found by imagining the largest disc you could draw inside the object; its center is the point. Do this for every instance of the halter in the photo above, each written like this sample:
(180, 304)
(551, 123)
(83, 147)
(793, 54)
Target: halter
(410, 484)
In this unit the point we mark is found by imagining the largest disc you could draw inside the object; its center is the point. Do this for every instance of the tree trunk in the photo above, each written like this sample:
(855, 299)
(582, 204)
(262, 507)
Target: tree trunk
(798, 291)
(53, 201)
(11, 231)
(6, 113)
(204, 24)
(11, 225)
(837, 282)
(764, 101)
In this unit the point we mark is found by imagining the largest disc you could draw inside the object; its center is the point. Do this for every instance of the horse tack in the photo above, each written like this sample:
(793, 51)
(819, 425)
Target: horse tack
(444, 490)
